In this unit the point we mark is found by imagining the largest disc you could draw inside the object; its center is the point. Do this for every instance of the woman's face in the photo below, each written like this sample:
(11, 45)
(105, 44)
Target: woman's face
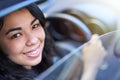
(22, 38)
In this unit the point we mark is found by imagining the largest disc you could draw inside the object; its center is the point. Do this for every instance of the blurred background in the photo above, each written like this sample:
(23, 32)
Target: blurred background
(72, 22)
(62, 4)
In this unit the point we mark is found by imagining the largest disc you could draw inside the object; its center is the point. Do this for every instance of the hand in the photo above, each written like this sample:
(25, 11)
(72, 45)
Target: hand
(93, 56)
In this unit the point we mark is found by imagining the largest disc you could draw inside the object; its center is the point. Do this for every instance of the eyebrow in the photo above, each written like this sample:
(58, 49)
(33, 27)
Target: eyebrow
(19, 28)
(33, 21)
(13, 29)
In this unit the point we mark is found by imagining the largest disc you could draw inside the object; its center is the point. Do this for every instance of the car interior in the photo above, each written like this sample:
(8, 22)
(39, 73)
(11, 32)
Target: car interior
(71, 29)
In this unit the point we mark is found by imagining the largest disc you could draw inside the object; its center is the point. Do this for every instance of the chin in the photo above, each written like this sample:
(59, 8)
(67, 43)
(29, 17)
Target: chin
(36, 62)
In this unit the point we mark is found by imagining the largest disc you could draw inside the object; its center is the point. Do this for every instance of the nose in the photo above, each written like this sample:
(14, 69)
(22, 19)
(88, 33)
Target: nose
(31, 39)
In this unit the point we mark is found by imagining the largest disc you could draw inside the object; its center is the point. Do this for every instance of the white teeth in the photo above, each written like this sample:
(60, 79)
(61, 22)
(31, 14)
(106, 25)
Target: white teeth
(33, 52)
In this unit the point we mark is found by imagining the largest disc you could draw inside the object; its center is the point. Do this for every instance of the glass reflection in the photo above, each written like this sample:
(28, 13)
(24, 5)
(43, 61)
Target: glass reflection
(70, 66)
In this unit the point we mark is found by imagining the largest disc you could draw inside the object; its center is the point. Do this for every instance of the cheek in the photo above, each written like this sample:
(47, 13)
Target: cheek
(12, 47)
(41, 35)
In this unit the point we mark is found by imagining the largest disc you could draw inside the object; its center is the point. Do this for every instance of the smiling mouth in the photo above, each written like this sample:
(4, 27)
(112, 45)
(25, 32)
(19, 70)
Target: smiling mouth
(33, 53)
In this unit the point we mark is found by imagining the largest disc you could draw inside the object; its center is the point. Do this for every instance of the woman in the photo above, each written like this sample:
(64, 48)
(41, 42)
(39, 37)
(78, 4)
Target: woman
(25, 46)
(26, 49)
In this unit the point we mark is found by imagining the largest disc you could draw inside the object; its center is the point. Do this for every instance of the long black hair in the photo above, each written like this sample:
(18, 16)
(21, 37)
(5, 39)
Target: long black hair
(11, 71)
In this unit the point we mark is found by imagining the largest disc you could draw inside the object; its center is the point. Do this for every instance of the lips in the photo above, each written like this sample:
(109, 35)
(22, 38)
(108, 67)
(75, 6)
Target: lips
(33, 53)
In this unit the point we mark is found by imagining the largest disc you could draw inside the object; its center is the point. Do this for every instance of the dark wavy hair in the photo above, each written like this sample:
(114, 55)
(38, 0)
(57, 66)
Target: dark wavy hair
(11, 71)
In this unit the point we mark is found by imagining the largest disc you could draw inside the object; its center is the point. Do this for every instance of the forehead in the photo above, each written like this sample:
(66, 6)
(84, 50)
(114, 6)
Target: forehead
(19, 14)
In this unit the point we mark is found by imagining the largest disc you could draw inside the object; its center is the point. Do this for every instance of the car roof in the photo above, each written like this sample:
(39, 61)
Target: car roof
(8, 6)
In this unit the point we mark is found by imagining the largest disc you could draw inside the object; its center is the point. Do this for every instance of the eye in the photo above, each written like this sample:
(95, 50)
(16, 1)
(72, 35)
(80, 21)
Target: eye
(35, 26)
(16, 36)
